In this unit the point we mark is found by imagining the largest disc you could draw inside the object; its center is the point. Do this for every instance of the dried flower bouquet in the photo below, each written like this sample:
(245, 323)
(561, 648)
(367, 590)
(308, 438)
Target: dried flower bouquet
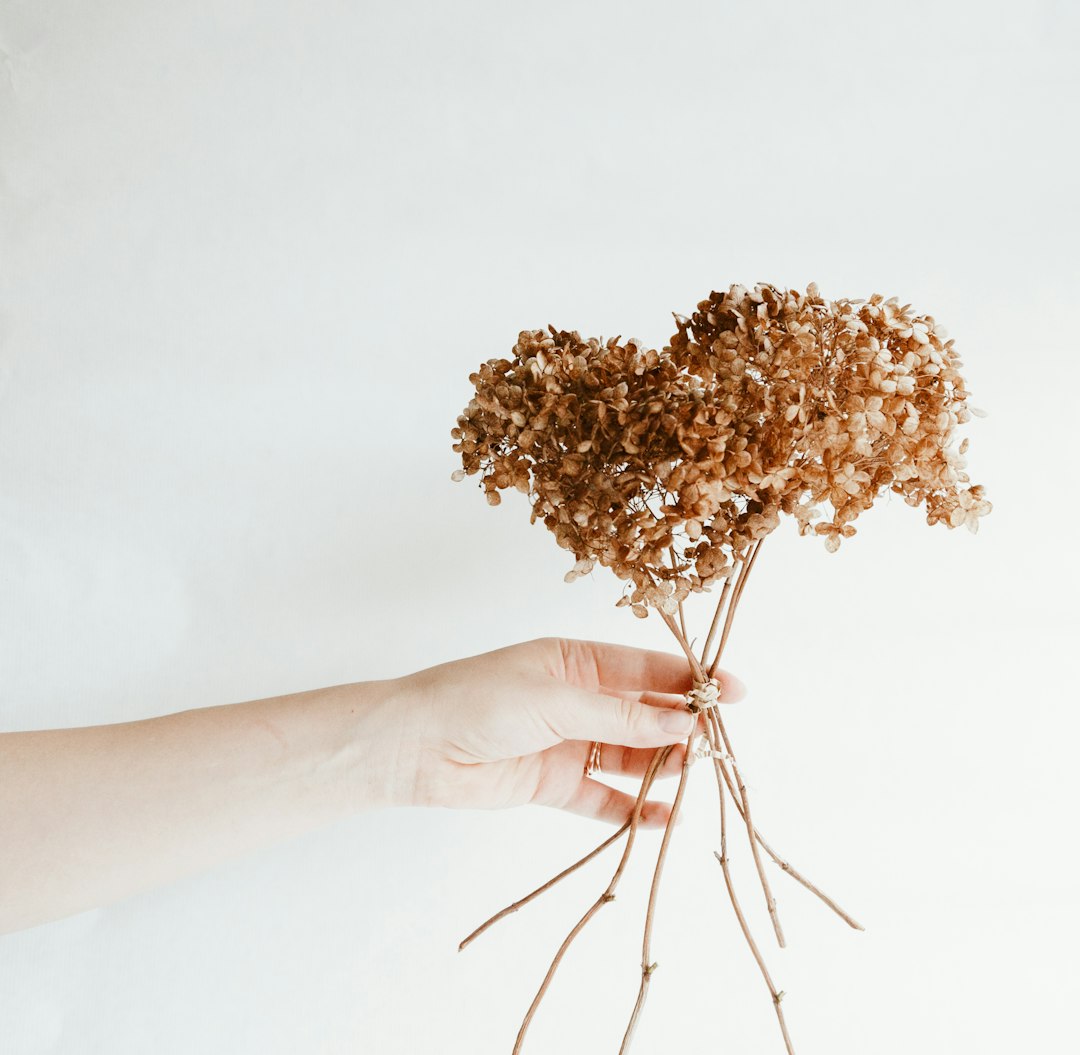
(671, 467)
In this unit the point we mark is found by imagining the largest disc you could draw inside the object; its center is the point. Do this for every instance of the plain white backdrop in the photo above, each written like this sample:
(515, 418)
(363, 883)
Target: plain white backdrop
(250, 253)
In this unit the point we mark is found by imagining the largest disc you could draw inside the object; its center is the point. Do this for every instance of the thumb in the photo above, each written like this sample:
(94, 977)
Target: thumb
(577, 714)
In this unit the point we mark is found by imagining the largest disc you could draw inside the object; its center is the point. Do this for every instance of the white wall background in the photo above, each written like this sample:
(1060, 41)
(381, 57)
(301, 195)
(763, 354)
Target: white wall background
(251, 251)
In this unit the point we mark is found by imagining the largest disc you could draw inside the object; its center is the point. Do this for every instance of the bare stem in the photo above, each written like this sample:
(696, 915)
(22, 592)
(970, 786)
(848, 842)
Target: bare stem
(715, 624)
(744, 798)
(595, 852)
(647, 965)
(776, 996)
(816, 891)
(675, 568)
(657, 761)
(723, 859)
(783, 865)
(695, 666)
(740, 583)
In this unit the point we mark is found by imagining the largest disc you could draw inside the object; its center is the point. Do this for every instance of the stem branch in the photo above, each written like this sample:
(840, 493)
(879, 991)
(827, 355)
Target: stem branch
(785, 866)
(657, 761)
(744, 798)
(647, 966)
(596, 851)
(715, 624)
(723, 859)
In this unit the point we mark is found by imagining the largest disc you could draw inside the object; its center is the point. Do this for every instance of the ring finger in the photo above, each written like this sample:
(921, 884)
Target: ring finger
(618, 761)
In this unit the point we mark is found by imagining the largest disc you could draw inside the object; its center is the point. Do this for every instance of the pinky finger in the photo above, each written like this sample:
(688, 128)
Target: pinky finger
(593, 799)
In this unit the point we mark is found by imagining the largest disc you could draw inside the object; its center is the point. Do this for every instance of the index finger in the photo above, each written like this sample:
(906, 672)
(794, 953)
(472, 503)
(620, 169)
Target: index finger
(597, 664)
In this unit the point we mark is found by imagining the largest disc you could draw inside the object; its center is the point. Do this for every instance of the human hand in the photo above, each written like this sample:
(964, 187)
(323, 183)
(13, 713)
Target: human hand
(515, 726)
(141, 803)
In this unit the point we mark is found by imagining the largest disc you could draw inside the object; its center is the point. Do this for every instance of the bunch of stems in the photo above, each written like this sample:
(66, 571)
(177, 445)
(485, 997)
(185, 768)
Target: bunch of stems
(729, 782)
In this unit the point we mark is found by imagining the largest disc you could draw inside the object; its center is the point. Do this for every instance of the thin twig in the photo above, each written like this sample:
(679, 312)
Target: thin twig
(722, 858)
(744, 574)
(675, 568)
(781, 863)
(776, 996)
(647, 966)
(816, 891)
(657, 761)
(784, 865)
(715, 624)
(770, 901)
(736, 593)
(596, 851)
(736, 596)
(695, 666)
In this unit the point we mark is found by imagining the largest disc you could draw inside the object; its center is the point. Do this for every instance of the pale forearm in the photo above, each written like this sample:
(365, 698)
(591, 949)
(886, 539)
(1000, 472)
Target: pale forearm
(88, 816)
(91, 815)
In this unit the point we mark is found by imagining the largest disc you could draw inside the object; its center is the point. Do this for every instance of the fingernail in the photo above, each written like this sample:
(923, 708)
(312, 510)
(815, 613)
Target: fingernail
(674, 722)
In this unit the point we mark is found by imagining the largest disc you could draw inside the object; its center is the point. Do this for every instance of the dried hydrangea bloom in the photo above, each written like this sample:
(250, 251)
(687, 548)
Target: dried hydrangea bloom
(838, 401)
(584, 429)
(666, 466)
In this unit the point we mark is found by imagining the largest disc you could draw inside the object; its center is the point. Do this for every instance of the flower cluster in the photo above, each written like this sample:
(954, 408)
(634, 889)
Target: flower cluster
(666, 466)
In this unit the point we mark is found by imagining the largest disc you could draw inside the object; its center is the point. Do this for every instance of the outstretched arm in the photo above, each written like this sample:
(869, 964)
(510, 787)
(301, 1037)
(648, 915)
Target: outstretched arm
(91, 815)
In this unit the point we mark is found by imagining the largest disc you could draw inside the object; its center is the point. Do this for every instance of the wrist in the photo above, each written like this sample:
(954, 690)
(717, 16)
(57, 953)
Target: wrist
(383, 747)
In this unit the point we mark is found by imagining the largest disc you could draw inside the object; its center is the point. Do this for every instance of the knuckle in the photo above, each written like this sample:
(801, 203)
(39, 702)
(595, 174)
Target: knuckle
(627, 713)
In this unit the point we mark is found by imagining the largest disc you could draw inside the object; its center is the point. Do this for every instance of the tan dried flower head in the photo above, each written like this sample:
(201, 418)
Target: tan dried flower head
(665, 466)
